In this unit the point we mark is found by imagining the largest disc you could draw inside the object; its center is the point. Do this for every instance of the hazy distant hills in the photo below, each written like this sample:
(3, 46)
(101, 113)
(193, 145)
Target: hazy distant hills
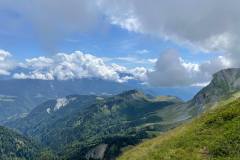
(19, 97)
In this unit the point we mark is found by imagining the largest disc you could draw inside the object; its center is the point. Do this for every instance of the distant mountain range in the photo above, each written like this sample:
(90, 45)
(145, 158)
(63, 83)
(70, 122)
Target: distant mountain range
(102, 126)
(19, 97)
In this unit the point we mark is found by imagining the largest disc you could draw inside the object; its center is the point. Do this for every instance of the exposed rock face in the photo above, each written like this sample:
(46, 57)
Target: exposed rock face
(229, 77)
(224, 83)
(97, 152)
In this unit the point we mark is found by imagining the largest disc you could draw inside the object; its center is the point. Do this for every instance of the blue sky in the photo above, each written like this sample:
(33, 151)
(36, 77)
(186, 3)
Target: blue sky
(111, 42)
(156, 41)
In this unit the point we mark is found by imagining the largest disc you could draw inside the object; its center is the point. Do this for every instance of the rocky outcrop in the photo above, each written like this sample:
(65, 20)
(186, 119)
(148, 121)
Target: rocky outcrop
(224, 83)
(97, 152)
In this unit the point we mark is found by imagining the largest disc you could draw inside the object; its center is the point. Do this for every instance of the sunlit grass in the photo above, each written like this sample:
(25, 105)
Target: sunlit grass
(214, 136)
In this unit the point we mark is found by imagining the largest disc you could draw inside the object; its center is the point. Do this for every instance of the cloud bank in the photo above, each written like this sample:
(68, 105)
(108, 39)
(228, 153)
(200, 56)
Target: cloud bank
(172, 70)
(193, 21)
(207, 25)
(77, 65)
(5, 63)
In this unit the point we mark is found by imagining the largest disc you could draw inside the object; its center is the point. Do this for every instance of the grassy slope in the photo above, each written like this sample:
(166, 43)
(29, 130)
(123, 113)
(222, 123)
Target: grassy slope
(215, 135)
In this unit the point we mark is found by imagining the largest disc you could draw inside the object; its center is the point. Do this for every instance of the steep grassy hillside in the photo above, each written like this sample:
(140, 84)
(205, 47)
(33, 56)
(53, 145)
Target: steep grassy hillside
(214, 135)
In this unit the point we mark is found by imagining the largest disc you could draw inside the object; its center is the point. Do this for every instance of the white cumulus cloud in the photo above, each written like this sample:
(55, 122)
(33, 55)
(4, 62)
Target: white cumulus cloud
(207, 25)
(172, 70)
(76, 65)
(6, 65)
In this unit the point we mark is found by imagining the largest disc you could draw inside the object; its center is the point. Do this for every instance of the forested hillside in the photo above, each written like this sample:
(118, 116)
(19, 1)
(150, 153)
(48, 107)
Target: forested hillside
(14, 146)
(99, 127)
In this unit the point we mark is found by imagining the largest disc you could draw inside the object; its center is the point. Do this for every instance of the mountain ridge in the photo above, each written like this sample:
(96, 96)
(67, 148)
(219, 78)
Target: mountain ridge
(223, 84)
(112, 121)
(99, 127)
(19, 96)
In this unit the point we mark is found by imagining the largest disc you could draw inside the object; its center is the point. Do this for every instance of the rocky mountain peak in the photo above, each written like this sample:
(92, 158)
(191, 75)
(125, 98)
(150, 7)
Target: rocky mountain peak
(223, 84)
(227, 79)
(133, 92)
